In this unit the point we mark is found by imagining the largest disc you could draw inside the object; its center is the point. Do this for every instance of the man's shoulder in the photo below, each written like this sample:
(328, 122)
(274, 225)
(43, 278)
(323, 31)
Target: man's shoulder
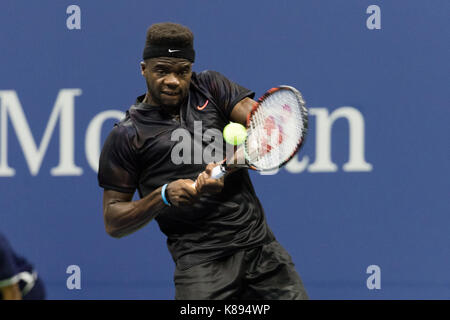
(206, 75)
(208, 80)
(126, 121)
(124, 128)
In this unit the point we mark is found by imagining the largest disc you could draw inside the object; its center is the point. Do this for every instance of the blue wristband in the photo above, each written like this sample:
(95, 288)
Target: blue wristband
(163, 194)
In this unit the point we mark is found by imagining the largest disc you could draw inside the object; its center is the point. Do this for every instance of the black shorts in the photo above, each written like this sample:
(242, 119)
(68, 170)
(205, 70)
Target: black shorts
(264, 272)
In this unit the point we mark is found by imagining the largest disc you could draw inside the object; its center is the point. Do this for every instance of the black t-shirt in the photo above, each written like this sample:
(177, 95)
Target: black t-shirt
(137, 155)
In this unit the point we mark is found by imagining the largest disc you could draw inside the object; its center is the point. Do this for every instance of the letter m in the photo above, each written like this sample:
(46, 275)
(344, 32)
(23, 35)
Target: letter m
(63, 110)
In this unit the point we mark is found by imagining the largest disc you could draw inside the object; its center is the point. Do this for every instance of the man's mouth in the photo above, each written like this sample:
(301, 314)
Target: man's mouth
(168, 93)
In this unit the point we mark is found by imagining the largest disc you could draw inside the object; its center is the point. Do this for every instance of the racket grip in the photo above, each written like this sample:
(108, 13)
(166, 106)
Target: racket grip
(216, 173)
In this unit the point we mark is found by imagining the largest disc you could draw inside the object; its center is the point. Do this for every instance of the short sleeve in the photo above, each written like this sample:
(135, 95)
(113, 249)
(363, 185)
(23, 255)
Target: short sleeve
(8, 267)
(225, 92)
(118, 168)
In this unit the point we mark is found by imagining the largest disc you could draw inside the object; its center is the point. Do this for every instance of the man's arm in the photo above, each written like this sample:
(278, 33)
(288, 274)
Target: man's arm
(123, 216)
(241, 110)
(11, 292)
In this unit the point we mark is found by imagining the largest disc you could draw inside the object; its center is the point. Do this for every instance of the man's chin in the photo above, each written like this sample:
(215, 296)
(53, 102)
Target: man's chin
(171, 102)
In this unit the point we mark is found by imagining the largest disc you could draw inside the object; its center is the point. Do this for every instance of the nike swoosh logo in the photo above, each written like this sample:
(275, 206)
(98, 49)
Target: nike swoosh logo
(203, 106)
(170, 50)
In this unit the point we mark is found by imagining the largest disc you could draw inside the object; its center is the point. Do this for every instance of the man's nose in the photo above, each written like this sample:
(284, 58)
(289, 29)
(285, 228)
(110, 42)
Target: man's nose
(171, 80)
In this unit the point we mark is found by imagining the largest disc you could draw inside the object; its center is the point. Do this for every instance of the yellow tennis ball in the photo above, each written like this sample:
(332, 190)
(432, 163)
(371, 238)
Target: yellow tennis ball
(234, 133)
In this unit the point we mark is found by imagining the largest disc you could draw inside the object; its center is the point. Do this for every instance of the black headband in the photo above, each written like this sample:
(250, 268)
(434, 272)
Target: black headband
(153, 51)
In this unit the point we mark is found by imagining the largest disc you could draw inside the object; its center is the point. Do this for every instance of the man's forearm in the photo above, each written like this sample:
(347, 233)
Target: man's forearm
(125, 217)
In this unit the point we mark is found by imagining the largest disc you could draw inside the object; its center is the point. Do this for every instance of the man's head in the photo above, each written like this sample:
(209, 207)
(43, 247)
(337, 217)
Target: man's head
(168, 57)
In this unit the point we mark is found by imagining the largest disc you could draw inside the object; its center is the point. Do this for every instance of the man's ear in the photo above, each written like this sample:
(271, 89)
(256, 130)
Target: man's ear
(143, 67)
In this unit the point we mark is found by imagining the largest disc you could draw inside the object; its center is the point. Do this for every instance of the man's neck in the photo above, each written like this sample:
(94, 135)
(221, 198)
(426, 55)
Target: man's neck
(148, 100)
(174, 111)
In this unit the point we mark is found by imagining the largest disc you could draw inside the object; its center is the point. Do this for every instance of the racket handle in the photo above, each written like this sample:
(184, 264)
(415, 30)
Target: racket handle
(216, 173)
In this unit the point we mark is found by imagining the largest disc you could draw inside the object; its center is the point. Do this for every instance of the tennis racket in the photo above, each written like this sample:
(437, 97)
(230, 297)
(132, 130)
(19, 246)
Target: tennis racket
(276, 129)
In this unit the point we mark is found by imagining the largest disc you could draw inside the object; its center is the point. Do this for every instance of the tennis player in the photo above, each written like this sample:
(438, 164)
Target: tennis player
(216, 231)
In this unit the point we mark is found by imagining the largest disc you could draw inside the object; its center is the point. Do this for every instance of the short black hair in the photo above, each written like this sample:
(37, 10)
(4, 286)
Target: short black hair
(169, 34)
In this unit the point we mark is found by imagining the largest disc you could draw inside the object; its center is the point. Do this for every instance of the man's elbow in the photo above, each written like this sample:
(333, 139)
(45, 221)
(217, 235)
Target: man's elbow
(113, 233)
(109, 225)
(111, 230)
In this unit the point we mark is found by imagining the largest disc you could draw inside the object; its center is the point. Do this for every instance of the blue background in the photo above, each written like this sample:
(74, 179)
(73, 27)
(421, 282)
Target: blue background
(334, 224)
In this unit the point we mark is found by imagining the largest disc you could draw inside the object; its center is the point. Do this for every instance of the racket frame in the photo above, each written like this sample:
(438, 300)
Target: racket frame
(303, 111)
(228, 167)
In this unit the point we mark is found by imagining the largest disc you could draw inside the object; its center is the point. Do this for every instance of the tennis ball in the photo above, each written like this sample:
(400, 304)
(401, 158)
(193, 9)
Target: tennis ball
(234, 133)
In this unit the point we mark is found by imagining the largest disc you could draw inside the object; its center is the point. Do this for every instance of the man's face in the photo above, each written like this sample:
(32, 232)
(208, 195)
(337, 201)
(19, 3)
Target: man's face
(167, 80)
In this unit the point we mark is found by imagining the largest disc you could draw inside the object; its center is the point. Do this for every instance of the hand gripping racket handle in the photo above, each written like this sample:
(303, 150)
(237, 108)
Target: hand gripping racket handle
(216, 173)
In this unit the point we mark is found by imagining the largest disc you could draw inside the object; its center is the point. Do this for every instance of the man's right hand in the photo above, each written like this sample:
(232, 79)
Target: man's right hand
(182, 193)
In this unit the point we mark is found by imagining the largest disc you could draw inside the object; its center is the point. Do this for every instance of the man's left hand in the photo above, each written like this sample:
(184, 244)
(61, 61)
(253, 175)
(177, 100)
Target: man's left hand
(206, 184)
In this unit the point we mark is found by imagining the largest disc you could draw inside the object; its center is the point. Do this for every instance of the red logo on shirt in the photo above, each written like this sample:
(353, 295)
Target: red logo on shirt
(203, 106)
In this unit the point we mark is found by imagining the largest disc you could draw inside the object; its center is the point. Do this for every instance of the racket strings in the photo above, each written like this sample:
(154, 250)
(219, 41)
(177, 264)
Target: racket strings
(275, 130)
